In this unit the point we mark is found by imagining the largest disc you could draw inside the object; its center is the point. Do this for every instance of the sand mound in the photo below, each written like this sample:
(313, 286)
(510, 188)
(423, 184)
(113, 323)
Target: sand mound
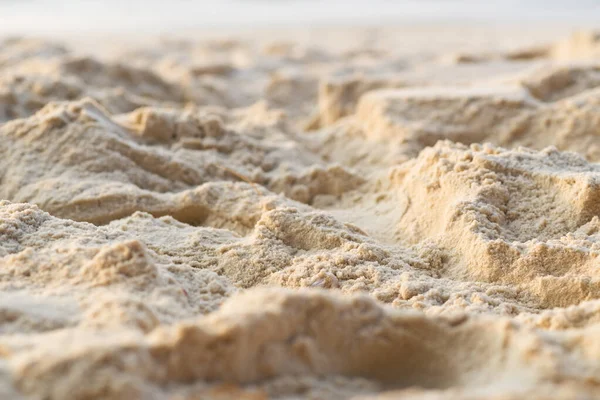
(580, 45)
(414, 118)
(339, 95)
(253, 219)
(509, 216)
(114, 169)
(552, 83)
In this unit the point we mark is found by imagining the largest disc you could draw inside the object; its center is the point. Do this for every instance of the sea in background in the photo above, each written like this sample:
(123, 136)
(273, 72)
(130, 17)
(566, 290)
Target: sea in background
(39, 17)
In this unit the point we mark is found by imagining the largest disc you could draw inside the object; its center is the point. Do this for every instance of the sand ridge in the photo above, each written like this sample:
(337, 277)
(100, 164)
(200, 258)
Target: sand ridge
(266, 219)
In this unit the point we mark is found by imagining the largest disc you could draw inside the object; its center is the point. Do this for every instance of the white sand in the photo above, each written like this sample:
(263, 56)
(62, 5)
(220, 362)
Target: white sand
(363, 214)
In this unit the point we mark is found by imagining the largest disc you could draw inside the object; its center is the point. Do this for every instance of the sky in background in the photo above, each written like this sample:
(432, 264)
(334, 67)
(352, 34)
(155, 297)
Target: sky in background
(164, 16)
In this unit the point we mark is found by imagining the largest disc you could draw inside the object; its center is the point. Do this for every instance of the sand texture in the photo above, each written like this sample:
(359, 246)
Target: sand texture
(286, 218)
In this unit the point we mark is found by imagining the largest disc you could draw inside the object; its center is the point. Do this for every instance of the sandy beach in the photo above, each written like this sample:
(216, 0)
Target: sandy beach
(387, 211)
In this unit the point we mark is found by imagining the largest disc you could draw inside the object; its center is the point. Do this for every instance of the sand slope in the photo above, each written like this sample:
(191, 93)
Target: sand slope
(251, 219)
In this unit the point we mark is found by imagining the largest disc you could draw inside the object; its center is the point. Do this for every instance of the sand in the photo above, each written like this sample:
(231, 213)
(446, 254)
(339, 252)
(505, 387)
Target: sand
(254, 217)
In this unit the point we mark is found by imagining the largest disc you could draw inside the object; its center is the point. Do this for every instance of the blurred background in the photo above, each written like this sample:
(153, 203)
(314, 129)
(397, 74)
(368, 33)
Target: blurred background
(58, 17)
